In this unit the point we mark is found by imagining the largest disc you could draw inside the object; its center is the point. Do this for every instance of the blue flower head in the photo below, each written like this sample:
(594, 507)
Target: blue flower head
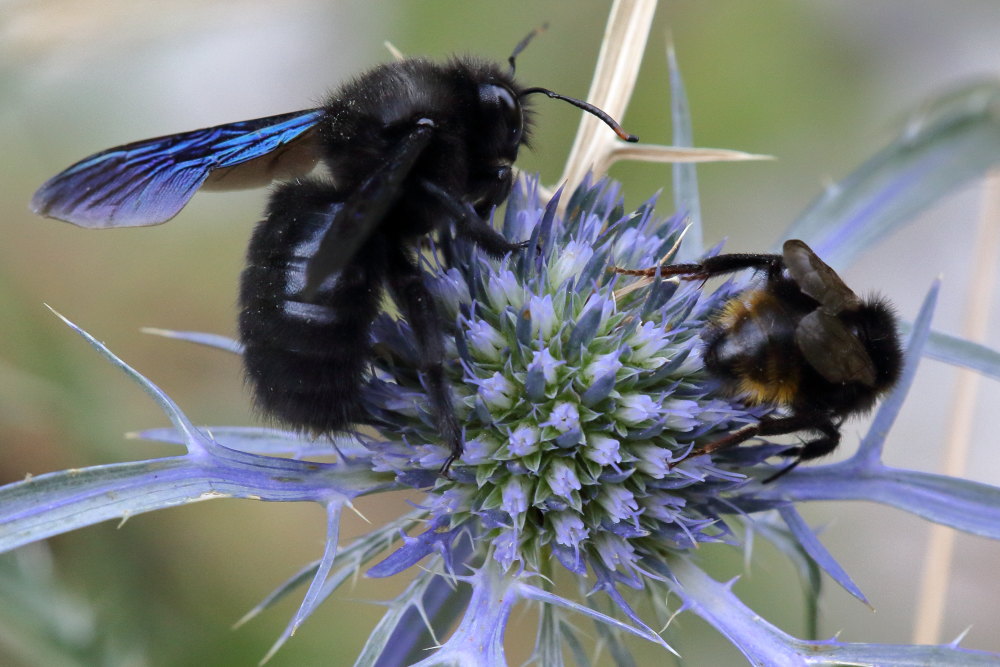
(574, 393)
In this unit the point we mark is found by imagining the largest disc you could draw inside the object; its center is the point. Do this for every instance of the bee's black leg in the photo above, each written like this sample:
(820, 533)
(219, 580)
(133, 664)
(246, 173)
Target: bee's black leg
(471, 227)
(735, 438)
(813, 449)
(713, 266)
(417, 304)
(780, 426)
(362, 213)
(787, 469)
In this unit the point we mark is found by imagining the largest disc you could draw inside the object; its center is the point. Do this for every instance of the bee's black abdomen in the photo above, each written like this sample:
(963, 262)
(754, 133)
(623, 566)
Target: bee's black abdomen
(305, 362)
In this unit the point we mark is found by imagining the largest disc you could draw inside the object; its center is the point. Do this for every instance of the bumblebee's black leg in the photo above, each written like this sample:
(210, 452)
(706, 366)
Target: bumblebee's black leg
(713, 266)
(735, 438)
(813, 449)
(417, 304)
(780, 426)
(471, 227)
(365, 209)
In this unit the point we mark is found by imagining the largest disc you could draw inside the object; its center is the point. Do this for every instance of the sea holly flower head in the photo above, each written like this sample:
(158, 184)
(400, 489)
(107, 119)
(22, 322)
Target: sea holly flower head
(582, 390)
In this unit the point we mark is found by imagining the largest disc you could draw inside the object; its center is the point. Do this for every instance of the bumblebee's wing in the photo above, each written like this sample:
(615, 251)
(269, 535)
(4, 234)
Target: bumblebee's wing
(815, 278)
(364, 210)
(833, 350)
(148, 182)
(827, 344)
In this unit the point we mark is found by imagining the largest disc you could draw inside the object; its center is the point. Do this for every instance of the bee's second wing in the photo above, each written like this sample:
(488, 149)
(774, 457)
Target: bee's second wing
(150, 181)
(833, 350)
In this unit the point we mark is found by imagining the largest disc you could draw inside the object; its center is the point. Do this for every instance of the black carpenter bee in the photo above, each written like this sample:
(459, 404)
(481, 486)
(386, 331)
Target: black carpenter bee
(802, 342)
(411, 147)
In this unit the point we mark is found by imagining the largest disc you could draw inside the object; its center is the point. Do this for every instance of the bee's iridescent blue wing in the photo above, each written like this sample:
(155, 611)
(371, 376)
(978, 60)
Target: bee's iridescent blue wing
(150, 181)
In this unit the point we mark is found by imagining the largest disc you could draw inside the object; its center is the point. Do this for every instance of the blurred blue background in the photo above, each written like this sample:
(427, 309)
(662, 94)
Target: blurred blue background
(821, 84)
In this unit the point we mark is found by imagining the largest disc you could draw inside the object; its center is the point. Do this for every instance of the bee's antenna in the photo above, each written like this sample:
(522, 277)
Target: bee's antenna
(523, 43)
(589, 108)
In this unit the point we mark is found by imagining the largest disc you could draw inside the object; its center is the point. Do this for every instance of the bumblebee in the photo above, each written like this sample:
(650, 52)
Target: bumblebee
(801, 342)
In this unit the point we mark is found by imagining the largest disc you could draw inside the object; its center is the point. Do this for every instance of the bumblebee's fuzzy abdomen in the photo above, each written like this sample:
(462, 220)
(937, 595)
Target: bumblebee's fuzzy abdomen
(305, 362)
(750, 348)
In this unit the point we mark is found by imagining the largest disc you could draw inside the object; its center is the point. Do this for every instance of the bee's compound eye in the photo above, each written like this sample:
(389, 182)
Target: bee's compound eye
(506, 104)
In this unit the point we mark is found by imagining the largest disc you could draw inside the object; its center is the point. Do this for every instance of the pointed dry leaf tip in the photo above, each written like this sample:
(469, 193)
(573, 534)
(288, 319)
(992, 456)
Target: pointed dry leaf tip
(199, 338)
(671, 154)
(61, 317)
(154, 331)
(611, 88)
(594, 150)
(393, 51)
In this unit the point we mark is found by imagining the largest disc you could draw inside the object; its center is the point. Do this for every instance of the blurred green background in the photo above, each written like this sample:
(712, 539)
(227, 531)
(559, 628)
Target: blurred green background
(820, 84)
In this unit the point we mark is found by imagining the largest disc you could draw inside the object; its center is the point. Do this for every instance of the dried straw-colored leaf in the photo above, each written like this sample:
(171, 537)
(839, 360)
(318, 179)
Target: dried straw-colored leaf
(614, 80)
(595, 148)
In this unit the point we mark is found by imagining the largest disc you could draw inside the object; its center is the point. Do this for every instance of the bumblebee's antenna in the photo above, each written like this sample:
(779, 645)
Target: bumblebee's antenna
(524, 43)
(586, 106)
